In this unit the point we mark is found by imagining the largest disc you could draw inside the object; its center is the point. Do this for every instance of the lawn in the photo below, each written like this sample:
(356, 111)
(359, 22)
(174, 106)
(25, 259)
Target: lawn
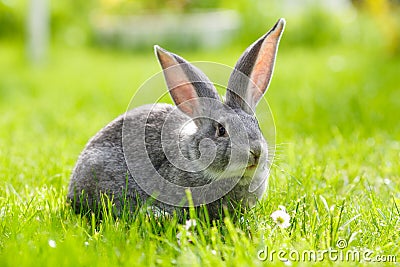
(336, 170)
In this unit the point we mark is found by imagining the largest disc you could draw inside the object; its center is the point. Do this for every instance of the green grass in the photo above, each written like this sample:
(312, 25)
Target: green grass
(337, 168)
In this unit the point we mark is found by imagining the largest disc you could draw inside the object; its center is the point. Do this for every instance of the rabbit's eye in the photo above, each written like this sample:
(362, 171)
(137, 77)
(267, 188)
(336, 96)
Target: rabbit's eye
(221, 130)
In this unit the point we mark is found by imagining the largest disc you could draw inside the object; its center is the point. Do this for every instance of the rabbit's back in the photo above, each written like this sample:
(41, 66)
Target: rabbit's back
(102, 168)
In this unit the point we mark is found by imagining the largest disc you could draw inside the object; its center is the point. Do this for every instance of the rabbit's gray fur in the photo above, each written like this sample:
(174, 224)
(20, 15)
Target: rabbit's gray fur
(102, 167)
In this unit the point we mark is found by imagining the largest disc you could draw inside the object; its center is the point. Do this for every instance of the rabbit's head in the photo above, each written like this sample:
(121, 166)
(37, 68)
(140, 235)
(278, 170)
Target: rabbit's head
(223, 138)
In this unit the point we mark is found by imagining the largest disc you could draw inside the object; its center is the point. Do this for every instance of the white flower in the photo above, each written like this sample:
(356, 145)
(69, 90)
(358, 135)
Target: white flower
(52, 243)
(288, 263)
(179, 236)
(190, 224)
(281, 218)
(189, 227)
(188, 236)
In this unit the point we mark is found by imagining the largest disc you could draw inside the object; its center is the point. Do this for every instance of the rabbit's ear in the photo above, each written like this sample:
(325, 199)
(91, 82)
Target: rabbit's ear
(253, 71)
(185, 82)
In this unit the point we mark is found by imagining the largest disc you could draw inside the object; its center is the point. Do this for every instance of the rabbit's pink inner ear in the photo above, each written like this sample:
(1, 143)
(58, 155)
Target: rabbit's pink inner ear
(179, 85)
(181, 89)
(264, 66)
(166, 59)
(185, 98)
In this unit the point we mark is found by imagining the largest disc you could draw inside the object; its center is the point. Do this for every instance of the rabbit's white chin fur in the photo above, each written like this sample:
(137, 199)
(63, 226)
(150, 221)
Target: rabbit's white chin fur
(213, 175)
(246, 174)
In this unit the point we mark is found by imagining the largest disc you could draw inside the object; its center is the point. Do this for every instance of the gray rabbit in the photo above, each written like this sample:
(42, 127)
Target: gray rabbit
(202, 151)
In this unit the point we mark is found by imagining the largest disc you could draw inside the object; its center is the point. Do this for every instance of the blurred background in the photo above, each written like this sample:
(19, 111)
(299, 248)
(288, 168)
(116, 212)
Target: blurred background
(67, 68)
(193, 24)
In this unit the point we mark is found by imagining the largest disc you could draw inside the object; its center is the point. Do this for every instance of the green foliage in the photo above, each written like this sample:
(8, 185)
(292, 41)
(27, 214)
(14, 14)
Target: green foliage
(317, 28)
(11, 21)
(69, 20)
(124, 7)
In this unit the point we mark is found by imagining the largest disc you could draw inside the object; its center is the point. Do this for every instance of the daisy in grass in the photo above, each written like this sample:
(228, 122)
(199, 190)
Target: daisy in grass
(190, 227)
(281, 218)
